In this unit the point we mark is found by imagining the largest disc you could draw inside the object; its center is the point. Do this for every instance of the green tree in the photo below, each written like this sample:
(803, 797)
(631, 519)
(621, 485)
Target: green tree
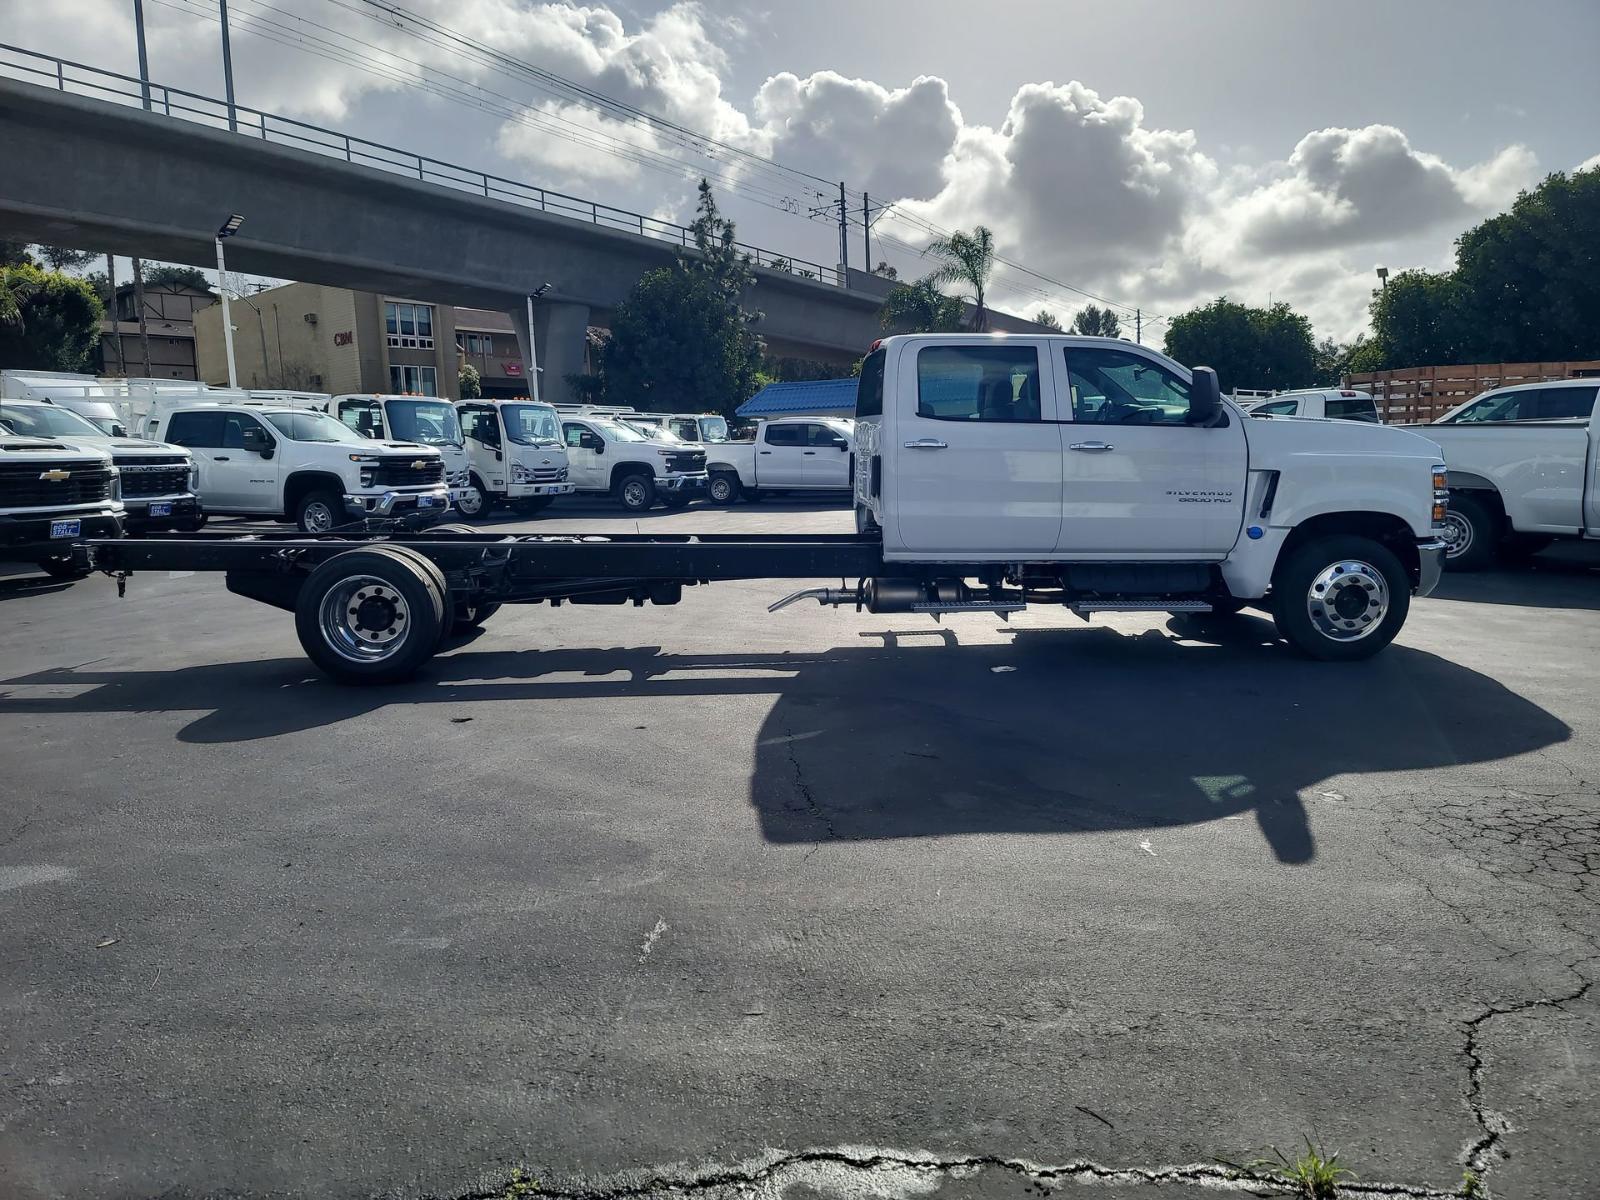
(60, 258)
(15, 254)
(168, 275)
(469, 382)
(966, 260)
(1048, 319)
(49, 321)
(1247, 347)
(920, 307)
(681, 340)
(1094, 321)
(1421, 319)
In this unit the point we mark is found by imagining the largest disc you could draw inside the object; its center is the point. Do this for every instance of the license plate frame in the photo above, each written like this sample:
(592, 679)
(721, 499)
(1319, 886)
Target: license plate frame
(425, 501)
(66, 529)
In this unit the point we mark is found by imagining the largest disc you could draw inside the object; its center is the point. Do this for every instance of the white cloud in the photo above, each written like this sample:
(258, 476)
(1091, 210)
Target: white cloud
(1589, 164)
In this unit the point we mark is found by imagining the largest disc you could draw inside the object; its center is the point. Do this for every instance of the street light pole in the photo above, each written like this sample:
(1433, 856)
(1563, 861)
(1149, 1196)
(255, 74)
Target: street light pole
(227, 70)
(1383, 277)
(229, 228)
(533, 349)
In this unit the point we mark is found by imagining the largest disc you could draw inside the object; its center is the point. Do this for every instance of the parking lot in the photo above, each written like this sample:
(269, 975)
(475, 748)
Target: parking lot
(702, 899)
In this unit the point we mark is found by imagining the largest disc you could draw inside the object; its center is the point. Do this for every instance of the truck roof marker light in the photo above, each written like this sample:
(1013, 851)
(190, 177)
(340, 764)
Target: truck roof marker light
(876, 342)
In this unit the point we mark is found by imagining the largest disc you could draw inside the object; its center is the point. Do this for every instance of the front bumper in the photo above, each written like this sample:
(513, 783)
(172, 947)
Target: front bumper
(523, 491)
(179, 509)
(393, 504)
(27, 539)
(682, 483)
(1430, 554)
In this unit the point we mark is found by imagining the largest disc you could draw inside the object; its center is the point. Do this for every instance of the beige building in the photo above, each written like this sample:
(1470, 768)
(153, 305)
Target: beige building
(325, 339)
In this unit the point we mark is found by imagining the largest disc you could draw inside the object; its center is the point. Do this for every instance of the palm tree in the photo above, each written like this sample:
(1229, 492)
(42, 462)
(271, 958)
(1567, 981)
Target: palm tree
(16, 287)
(966, 259)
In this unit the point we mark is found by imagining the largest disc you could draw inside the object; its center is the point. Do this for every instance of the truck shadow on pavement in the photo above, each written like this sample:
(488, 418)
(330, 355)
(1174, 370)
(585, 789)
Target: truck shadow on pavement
(915, 734)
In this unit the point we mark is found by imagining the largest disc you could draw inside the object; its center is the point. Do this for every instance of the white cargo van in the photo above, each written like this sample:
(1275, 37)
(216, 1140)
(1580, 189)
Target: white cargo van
(517, 456)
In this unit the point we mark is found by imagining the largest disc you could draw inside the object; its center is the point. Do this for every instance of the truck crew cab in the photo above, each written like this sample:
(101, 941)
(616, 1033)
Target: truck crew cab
(517, 456)
(158, 481)
(301, 465)
(606, 455)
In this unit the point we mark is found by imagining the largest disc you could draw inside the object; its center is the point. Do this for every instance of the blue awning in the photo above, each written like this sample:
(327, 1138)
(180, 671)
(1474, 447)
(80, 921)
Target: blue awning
(823, 398)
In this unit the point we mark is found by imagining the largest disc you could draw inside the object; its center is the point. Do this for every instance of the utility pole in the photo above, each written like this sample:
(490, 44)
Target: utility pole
(844, 241)
(227, 71)
(1138, 327)
(138, 300)
(116, 323)
(866, 233)
(144, 58)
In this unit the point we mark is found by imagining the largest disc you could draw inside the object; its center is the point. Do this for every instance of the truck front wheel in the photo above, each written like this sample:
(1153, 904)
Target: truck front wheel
(475, 502)
(636, 493)
(318, 512)
(1471, 534)
(370, 616)
(723, 487)
(1340, 598)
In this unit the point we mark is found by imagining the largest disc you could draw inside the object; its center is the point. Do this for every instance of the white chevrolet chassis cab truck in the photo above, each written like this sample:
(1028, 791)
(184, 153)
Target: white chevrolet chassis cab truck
(992, 472)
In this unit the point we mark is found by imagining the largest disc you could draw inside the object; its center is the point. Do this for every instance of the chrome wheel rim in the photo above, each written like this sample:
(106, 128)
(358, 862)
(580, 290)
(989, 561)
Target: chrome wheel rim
(318, 518)
(1457, 533)
(364, 619)
(633, 494)
(1348, 600)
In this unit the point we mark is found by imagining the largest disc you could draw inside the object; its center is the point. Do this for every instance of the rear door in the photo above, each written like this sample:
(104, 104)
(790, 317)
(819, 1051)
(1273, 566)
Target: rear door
(977, 451)
(1140, 481)
(827, 457)
(782, 455)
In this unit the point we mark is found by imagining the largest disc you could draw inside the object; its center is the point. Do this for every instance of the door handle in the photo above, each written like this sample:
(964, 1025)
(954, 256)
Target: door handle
(1092, 447)
(219, 458)
(808, 453)
(927, 444)
(766, 452)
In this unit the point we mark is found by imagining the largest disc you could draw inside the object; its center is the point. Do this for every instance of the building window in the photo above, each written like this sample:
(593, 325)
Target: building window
(481, 344)
(409, 325)
(414, 381)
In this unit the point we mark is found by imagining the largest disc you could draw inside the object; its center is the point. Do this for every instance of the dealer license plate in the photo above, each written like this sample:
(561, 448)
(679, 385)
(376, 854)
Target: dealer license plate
(161, 510)
(65, 529)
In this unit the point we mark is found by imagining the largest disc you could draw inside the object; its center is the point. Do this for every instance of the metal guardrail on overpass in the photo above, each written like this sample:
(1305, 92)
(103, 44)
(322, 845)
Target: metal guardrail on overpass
(30, 66)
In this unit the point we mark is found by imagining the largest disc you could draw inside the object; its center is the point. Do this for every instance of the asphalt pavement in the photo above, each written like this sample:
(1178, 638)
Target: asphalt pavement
(705, 901)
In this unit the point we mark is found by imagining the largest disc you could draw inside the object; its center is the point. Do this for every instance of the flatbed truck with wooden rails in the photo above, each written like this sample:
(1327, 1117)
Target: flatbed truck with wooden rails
(992, 473)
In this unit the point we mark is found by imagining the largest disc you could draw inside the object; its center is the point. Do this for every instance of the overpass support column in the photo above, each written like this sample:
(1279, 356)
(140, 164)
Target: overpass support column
(562, 331)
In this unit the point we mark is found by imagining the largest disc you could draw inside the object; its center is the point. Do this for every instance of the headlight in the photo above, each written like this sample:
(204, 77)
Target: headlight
(369, 476)
(666, 453)
(364, 458)
(519, 473)
(561, 475)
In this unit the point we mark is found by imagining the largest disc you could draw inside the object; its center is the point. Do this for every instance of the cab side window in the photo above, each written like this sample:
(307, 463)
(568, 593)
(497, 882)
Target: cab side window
(1117, 387)
(786, 435)
(822, 435)
(978, 383)
(362, 416)
(1278, 408)
(234, 426)
(1556, 404)
(575, 435)
(202, 429)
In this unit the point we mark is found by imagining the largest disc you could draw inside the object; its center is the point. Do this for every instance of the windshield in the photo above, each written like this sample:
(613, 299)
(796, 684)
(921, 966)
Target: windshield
(528, 424)
(659, 432)
(312, 427)
(110, 426)
(713, 429)
(46, 420)
(617, 430)
(432, 422)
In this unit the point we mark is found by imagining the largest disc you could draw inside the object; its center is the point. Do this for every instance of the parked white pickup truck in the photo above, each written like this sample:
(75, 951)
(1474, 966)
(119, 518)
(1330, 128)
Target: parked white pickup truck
(789, 454)
(607, 456)
(53, 494)
(1335, 404)
(1523, 470)
(1114, 477)
(300, 465)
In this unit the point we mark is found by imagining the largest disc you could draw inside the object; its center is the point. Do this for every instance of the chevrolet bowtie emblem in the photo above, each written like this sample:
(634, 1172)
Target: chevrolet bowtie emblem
(419, 464)
(55, 476)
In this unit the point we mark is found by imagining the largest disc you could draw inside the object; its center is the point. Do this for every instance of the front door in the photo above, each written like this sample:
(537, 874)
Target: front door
(827, 458)
(977, 452)
(586, 465)
(481, 433)
(781, 456)
(1140, 481)
(244, 480)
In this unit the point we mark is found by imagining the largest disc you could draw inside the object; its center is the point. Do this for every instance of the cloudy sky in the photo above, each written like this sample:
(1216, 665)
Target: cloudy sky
(1156, 154)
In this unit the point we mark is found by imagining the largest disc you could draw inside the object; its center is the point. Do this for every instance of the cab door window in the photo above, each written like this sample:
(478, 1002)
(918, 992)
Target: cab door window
(235, 427)
(1118, 387)
(195, 429)
(978, 383)
(786, 435)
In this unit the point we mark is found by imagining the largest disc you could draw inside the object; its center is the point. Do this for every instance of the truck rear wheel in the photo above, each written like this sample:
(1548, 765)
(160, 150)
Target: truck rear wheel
(723, 487)
(370, 616)
(636, 492)
(1471, 534)
(1340, 598)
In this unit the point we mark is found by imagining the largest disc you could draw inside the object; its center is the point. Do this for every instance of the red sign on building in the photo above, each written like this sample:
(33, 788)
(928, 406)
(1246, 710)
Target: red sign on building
(511, 368)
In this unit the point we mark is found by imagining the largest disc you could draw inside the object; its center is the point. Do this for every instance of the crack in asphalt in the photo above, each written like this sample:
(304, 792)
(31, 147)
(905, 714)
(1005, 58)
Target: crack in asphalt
(1483, 1153)
(813, 807)
(775, 1173)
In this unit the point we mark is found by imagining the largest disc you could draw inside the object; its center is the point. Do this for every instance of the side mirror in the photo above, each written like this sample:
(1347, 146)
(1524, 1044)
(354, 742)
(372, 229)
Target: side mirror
(258, 441)
(1205, 397)
(596, 445)
(840, 444)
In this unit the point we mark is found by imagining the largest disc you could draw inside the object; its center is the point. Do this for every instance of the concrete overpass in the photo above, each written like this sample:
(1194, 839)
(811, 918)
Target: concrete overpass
(113, 178)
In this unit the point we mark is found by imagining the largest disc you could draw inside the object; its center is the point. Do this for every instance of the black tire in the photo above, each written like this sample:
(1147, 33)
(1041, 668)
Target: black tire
(324, 510)
(635, 491)
(1342, 571)
(485, 501)
(1473, 543)
(677, 500)
(723, 487)
(399, 591)
(192, 524)
(753, 495)
(447, 610)
(1520, 547)
(63, 568)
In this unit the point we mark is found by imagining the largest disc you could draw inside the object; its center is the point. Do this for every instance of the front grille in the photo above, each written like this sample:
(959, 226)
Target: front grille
(687, 462)
(22, 484)
(544, 474)
(156, 481)
(132, 462)
(408, 472)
